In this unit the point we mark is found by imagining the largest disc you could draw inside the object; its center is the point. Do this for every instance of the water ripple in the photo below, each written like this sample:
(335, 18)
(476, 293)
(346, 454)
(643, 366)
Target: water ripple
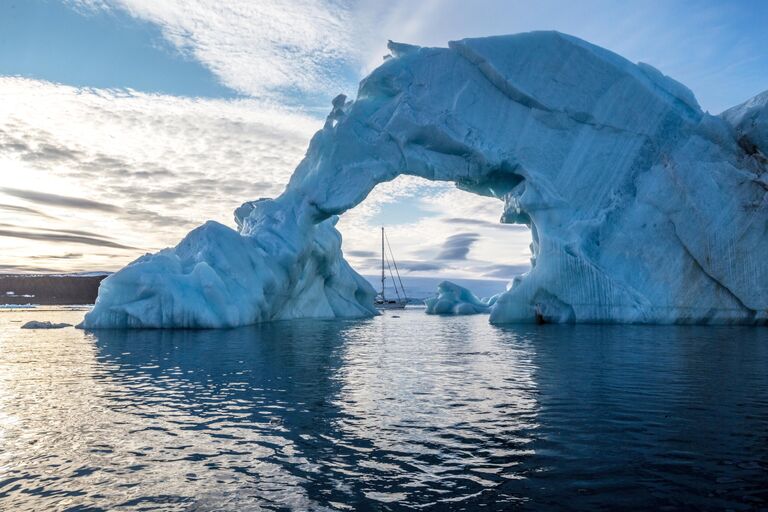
(384, 414)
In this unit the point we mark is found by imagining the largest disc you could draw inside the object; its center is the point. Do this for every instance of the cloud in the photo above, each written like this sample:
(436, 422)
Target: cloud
(58, 200)
(504, 271)
(66, 231)
(456, 247)
(23, 209)
(59, 237)
(262, 48)
(419, 266)
(51, 153)
(24, 269)
(360, 254)
(417, 239)
(481, 222)
(140, 169)
(291, 50)
(67, 256)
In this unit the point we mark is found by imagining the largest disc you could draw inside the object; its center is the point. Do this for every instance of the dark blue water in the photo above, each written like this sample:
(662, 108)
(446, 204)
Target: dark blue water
(415, 412)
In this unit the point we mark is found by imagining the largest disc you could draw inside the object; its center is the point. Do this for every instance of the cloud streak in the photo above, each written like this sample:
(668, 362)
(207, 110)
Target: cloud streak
(23, 209)
(59, 237)
(261, 49)
(142, 168)
(305, 51)
(468, 221)
(58, 200)
(504, 271)
(456, 247)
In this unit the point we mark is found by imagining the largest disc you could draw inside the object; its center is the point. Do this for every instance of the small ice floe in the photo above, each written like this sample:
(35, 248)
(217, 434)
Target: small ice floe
(453, 299)
(15, 295)
(34, 324)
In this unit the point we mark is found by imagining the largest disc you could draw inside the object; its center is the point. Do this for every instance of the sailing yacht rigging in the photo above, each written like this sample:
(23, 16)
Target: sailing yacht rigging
(381, 301)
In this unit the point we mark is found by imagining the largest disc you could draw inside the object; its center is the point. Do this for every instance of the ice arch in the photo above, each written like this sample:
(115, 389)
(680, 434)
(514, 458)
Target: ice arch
(643, 208)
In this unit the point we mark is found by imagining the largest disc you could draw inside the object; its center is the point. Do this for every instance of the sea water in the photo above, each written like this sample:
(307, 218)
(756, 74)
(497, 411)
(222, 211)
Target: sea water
(402, 411)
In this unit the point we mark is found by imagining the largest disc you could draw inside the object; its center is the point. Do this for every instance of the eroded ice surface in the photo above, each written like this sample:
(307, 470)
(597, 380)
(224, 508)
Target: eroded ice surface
(452, 299)
(642, 207)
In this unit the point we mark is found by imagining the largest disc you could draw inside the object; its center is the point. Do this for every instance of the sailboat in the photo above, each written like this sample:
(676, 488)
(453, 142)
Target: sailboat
(381, 301)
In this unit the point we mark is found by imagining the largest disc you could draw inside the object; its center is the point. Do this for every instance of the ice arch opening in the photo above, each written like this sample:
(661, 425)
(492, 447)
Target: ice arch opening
(643, 207)
(437, 232)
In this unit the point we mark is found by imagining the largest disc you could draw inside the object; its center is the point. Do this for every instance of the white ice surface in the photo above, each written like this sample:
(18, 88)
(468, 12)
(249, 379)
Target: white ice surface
(642, 207)
(750, 120)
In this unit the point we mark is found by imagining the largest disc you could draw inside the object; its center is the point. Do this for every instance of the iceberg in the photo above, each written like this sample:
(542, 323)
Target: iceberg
(642, 207)
(453, 299)
(218, 277)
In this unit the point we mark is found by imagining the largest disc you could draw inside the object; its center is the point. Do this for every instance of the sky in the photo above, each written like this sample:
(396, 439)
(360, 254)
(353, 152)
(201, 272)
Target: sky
(126, 123)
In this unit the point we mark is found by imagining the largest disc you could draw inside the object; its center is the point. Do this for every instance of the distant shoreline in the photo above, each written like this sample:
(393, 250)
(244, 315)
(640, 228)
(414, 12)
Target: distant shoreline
(50, 289)
(82, 288)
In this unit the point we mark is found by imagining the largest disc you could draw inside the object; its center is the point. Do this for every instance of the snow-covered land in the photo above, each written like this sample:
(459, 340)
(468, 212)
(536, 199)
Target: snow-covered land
(642, 207)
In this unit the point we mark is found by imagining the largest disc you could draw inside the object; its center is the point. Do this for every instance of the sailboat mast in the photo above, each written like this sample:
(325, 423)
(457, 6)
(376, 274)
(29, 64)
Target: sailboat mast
(382, 262)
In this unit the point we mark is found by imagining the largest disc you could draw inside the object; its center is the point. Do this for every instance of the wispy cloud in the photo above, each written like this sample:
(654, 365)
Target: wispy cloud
(361, 254)
(503, 271)
(23, 210)
(439, 212)
(468, 221)
(143, 169)
(24, 268)
(456, 247)
(261, 49)
(62, 237)
(309, 50)
(420, 266)
(58, 200)
(67, 256)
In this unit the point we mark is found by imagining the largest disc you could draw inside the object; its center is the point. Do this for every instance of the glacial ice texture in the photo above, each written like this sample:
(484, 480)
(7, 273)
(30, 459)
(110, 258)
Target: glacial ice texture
(452, 299)
(642, 207)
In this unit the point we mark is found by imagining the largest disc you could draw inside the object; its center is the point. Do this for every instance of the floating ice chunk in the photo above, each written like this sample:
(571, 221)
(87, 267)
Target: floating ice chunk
(34, 324)
(453, 299)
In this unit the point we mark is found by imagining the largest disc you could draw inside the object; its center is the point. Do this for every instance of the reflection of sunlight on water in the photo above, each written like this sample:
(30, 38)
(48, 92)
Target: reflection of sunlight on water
(130, 415)
(448, 405)
(203, 422)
